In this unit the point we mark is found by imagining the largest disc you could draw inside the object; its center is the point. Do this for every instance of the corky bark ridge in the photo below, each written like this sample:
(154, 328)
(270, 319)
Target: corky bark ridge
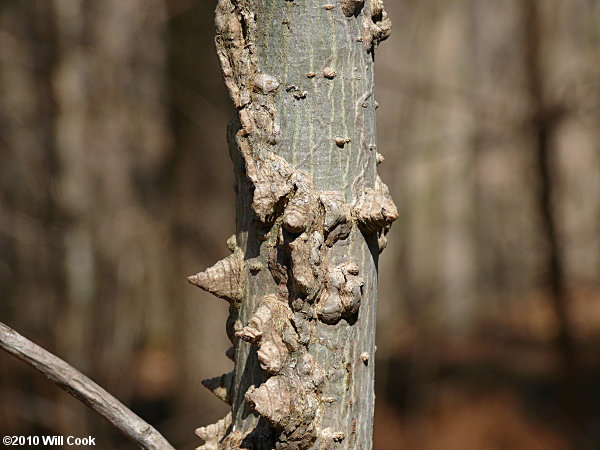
(301, 281)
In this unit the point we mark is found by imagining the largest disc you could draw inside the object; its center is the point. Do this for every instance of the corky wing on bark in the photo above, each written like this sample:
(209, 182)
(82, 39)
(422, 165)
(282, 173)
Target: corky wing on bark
(311, 217)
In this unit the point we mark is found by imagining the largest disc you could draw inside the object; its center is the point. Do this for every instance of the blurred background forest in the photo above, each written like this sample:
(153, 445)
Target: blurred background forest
(116, 184)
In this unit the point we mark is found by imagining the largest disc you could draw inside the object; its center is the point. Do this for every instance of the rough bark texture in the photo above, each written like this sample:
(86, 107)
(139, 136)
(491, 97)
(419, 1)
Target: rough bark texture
(311, 220)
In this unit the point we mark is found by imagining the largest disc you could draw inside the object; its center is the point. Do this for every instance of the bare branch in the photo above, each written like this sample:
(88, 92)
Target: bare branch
(84, 389)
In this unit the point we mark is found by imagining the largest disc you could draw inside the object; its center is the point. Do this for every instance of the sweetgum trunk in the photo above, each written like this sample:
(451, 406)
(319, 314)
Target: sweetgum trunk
(311, 220)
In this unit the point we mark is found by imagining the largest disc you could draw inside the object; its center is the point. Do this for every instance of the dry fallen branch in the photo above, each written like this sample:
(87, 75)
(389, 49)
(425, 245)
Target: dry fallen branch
(82, 388)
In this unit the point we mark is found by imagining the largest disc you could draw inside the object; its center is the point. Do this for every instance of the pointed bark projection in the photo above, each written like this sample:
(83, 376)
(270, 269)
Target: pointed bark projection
(271, 329)
(213, 434)
(310, 211)
(220, 386)
(224, 279)
(288, 404)
(375, 209)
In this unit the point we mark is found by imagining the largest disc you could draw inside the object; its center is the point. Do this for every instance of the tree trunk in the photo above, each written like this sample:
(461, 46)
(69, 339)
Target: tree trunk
(311, 220)
(545, 120)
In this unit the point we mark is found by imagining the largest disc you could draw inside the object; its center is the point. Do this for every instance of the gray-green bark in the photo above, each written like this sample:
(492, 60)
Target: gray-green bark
(311, 220)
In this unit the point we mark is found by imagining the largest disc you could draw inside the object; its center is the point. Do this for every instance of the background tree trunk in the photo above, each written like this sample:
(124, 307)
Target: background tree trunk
(311, 220)
(546, 118)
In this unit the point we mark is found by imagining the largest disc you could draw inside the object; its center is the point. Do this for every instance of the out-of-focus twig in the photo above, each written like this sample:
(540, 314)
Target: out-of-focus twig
(84, 389)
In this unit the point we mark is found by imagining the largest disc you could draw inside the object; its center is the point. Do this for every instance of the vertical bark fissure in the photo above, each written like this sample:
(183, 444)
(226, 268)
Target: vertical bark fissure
(311, 220)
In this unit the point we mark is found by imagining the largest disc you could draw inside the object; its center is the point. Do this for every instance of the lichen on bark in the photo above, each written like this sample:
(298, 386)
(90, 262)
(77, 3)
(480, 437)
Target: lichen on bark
(302, 279)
